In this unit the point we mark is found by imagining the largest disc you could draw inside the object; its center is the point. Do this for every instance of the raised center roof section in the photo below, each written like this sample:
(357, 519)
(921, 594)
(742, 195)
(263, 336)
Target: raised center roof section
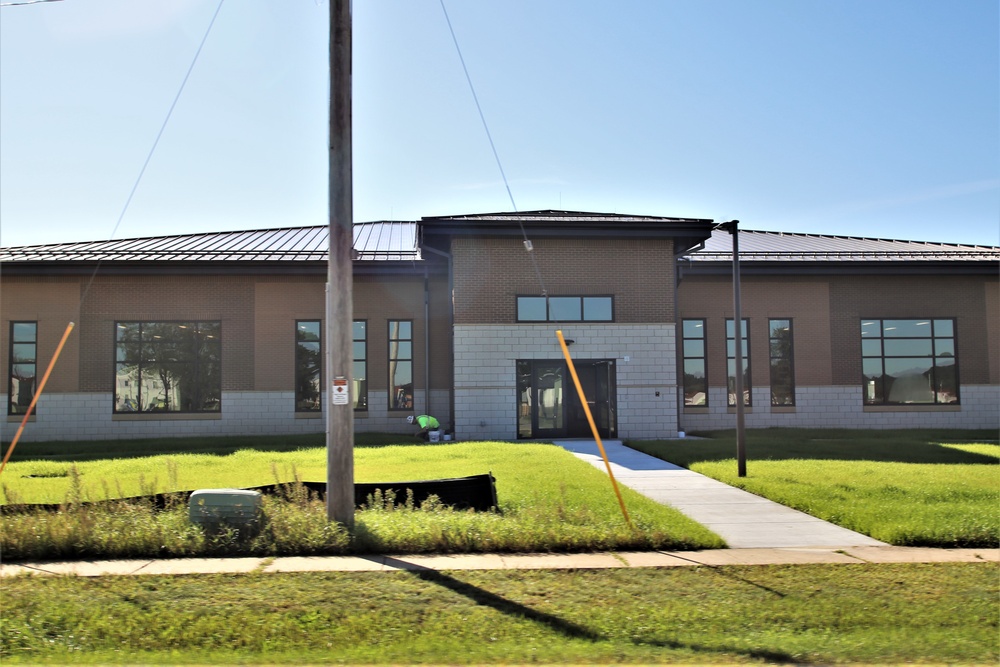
(686, 232)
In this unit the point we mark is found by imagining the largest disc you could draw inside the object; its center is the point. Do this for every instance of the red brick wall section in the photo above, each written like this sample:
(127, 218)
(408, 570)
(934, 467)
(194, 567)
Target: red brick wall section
(229, 299)
(806, 302)
(491, 272)
(53, 303)
(993, 329)
(961, 297)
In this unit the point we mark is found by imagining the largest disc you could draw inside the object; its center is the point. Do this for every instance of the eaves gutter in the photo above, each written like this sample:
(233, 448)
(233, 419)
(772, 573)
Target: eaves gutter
(842, 268)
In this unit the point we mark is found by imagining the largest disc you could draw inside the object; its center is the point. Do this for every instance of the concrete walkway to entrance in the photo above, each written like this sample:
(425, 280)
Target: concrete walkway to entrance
(743, 520)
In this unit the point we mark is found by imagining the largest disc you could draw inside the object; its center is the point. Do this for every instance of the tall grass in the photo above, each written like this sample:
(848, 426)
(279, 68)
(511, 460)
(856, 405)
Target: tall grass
(549, 501)
(908, 488)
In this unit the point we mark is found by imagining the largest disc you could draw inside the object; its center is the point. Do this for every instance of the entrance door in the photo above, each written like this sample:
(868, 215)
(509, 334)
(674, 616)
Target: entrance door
(550, 407)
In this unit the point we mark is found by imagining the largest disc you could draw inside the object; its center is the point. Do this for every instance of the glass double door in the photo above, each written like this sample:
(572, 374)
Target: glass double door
(549, 405)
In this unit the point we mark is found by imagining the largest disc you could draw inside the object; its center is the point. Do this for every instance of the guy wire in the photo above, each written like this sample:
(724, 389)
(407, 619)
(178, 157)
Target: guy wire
(149, 156)
(528, 246)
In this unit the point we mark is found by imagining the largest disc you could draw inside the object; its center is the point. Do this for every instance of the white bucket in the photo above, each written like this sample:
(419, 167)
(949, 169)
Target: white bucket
(434, 436)
(447, 437)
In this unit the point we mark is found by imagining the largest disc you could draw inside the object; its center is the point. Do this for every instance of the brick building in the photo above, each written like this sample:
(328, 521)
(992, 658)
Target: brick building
(456, 316)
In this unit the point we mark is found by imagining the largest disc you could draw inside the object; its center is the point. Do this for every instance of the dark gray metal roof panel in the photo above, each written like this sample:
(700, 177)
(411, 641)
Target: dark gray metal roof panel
(373, 241)
(762, 246)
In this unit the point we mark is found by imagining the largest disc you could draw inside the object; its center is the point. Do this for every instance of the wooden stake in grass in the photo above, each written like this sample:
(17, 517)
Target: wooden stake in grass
(34, 399)
(593, 426)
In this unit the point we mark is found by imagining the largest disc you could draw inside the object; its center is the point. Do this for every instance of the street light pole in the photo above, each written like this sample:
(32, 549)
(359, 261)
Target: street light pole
(741, 431)
(340, 279)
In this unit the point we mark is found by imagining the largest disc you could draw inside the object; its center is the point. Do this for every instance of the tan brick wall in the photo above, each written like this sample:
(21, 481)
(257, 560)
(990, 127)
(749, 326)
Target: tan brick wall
(53, 303)
(961, 297)
(992, 295)
(228, 299)
(491, 272)
(805, 302)
(280, 301)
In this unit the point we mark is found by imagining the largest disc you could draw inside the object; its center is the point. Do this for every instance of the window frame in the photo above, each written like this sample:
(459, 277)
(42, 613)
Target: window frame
(360, 388)
(199, 363)
(393, 402)
(876, 389)
(548, 308)
(685, 357)
(11, 363)
(771, 341)
(319, 368)
(747, 375)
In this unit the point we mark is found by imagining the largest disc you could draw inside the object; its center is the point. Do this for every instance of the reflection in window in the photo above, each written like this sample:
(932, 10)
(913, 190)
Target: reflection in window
(693, 355)
(564, 309)
(731, 361)
(168, 367)
(909, 361)
(360, 365)
(400, 365)
(23, 374)
(782, 365)
(308, 361)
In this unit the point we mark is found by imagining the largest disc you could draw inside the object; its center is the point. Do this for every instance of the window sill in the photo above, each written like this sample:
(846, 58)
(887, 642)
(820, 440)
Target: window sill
(17, 419)
(747, 409)
(165, 416)
(316, 414)
(925, 407)
(782, 408)
(696, 409)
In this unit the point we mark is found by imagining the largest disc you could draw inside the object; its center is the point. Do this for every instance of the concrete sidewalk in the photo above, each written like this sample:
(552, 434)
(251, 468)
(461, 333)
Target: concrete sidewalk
(587, 561)
(742, 519)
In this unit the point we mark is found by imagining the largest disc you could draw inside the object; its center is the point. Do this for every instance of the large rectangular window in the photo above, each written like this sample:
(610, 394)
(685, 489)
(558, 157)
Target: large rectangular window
(168, 367)
(23, 374)
(400, 365)
(782, 362)
(731, 361)
(360, 365)
(308, 362)
(909, 361)
(565, 309)
(694, 362)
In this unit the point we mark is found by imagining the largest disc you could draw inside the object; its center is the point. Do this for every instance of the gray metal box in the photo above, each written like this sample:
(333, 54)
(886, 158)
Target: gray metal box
(235, 507)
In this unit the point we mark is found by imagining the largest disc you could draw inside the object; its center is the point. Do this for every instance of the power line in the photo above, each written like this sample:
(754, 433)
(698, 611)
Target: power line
(528, 246)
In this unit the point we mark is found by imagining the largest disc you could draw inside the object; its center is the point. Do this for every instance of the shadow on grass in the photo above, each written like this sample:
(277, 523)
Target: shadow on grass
(93, 450)
(898, 446)
(564, 627)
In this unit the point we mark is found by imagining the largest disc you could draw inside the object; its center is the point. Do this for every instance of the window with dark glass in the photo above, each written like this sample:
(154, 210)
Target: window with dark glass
(400, 365)
(910, 361)
(565, 309)
(694, 362)
(731, 361)
(168, 367)
(360, 365)
(782, 362)
(308, 362)
(23, 374)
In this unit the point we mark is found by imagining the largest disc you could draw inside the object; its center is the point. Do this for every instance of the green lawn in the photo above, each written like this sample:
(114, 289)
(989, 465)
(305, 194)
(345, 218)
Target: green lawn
(549, 501)
(908, 487)
(818, 614)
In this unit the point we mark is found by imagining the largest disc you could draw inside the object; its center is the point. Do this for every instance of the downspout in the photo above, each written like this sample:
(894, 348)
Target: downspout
(427, 343)
(451, 329)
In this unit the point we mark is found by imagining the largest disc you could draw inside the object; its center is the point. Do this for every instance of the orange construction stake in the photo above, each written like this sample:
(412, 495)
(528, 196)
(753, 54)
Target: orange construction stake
(34, 399)
(593, 426)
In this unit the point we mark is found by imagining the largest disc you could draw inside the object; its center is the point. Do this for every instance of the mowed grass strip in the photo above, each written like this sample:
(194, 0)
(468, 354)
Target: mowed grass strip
(822, 614)
(908, 488)
(549, 501)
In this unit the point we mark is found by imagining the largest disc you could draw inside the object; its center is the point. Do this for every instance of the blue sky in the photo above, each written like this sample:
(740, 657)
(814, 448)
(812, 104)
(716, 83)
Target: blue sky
(839, 117)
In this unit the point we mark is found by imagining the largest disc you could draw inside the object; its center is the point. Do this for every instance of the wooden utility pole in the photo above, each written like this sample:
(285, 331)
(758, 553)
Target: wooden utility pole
(340, 279)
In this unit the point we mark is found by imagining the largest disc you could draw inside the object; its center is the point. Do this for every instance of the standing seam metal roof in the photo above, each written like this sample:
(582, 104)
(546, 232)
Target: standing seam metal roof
(398, 241)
